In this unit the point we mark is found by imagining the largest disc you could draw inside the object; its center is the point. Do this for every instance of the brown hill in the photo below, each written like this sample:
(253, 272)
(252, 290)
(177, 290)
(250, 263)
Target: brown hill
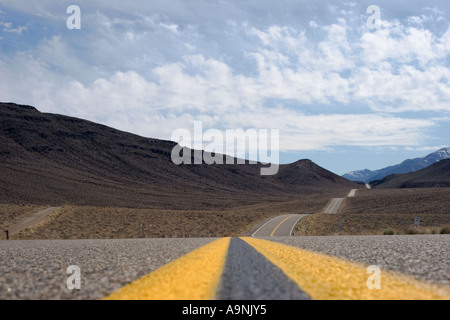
(56, 159)
(305, 172)
(435, 176)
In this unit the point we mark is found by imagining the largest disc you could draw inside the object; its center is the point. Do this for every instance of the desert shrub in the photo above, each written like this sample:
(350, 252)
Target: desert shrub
(413, 231)
(445, 230)
(388, 232)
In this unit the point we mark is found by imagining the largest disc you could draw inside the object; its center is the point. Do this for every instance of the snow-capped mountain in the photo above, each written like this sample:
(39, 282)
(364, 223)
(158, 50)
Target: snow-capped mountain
(359, 175)
(441, 154)
(409, 165)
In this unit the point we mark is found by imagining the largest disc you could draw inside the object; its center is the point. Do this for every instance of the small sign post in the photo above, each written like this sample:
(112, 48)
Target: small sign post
(340, 225)
(416, 222)
(143, 230)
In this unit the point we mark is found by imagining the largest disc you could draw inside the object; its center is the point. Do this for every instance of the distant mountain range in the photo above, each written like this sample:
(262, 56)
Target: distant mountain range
(436, 175)
(55, 159)
(406, 166)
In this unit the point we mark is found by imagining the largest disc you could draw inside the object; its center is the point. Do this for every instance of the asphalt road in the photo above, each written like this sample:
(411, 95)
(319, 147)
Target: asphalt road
(280, 226)
(247, 275)
(334, 206)
(336, 203)
(425, 257)
(38, 269)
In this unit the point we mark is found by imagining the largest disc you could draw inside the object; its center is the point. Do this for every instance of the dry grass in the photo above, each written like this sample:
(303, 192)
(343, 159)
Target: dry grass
(371, 212)
(10, 214)
(76, 222)
(379, 210)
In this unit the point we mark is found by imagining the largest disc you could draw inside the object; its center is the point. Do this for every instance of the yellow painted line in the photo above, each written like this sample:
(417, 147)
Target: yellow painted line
(329, 206)
(279, 225)
(325, 277)
(335, 204)
(194, 276)
(336, 201)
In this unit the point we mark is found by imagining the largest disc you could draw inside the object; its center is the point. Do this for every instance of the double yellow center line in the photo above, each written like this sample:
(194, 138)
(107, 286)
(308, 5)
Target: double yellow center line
(197, 276)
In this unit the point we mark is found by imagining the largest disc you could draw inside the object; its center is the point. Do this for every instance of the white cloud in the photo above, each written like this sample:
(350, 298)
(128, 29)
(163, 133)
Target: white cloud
(171, 27)
(394, 69)
(312, 132)
(404, 45)
(151, 74)
(426, 148)
(129, 102)
(350, 4)
(8, 27)
(313, 24)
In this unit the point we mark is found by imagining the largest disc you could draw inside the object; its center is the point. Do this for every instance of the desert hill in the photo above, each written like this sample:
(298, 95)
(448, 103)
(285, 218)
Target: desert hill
(56, 159)
(407, 166)
(435, 176)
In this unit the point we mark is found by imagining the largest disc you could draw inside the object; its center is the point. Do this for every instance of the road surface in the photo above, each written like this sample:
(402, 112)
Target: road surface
(336, 203)
(334, 206)
(280, 226)
(411, 267)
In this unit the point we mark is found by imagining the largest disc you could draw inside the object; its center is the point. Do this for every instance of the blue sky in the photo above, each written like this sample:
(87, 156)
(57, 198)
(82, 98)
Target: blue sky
(343, 95)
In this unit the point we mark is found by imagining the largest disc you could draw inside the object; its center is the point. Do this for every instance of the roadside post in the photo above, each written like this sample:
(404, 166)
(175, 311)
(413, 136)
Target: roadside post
(416, 222)
(142, 230)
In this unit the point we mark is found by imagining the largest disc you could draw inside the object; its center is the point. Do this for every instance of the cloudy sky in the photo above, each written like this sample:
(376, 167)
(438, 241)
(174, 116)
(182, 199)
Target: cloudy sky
(342, 94)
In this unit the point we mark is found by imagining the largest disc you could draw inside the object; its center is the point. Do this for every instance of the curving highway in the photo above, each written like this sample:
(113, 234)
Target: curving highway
(281, 226)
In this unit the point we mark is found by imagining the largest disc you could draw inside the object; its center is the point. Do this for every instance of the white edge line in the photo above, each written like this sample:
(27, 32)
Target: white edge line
(326, 209)
(301, 216)
(264, 225)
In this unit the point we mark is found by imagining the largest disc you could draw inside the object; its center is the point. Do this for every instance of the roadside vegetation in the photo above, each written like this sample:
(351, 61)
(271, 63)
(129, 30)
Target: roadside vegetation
(384, 212)
(89, 222)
